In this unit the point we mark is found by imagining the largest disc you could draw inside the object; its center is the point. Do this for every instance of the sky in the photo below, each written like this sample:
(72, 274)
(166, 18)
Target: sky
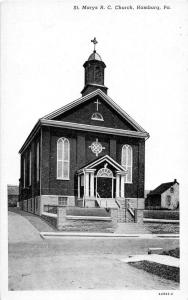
(44, 45)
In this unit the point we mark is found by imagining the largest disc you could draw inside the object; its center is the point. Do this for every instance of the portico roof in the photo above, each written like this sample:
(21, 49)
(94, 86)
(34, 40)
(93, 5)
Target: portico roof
(103, 159)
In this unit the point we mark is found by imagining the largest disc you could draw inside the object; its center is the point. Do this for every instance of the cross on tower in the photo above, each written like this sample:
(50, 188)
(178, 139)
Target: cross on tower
(94, 41)
(97, 102)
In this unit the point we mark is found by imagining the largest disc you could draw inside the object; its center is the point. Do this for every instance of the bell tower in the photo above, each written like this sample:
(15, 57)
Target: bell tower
(94, 72)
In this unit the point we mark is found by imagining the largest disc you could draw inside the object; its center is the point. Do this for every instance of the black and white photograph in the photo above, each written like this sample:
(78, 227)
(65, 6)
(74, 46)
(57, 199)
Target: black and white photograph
(93, 149)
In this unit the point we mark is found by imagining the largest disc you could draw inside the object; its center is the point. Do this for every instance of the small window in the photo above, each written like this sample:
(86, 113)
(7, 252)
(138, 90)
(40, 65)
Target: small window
(30, 167)
(168, 200)
(172, 190)
(97, 117)
(24, 174)
(36, 203)
(38, 158)
(62, 201)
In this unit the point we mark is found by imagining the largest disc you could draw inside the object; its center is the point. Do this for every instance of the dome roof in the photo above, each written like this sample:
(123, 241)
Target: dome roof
(95, 56)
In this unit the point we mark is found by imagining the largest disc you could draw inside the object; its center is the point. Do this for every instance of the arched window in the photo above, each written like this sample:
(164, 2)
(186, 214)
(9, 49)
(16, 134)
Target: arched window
(126, 162)
(63, 158)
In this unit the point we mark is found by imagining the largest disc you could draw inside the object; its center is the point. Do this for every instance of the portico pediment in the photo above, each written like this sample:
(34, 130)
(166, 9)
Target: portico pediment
(105, 162)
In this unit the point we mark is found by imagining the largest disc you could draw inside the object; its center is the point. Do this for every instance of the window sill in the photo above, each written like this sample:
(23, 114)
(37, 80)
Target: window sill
(64, 179)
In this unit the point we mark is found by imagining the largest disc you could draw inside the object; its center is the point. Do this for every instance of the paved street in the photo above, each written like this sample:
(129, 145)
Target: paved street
(78, 263)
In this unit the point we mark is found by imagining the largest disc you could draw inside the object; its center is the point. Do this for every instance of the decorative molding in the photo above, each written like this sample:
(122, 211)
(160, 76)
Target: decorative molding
(107, 158)
(94, 128)
(96, 147)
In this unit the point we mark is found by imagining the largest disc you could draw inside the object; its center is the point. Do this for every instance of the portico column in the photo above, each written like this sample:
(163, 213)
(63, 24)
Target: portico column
(87, 184)
(92, 184)
(122, 186)
(117, 185)
(78, 186)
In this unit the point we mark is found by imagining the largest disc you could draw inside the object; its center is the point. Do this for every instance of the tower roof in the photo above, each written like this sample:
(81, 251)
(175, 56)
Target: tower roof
(95, 56)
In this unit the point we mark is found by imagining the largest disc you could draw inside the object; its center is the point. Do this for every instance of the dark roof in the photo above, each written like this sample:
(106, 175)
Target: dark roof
(162, 188)
(13, 189)
(146, 192)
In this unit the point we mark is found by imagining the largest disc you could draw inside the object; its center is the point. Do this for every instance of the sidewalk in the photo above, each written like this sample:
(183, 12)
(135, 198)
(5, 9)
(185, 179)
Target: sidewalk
(36, 221)
(61, 234)
(21, 230)
(160, 259)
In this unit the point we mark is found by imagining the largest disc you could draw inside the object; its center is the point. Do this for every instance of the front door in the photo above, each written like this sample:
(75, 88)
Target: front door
(104, 187)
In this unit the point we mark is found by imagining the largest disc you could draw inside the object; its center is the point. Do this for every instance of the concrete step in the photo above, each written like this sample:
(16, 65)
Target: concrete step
(107, 203)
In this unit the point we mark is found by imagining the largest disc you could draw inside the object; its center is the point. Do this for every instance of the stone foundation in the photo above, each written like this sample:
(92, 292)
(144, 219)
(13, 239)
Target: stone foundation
(53, 200)
(139, 216)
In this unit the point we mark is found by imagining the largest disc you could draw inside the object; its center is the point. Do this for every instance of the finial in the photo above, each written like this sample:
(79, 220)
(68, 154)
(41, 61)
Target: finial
(94, 41)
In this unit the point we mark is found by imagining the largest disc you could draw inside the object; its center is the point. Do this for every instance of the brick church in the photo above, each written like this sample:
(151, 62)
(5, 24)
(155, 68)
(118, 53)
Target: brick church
(89, 153)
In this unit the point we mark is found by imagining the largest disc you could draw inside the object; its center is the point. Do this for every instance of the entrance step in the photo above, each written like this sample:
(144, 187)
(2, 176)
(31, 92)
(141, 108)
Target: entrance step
(107, 202)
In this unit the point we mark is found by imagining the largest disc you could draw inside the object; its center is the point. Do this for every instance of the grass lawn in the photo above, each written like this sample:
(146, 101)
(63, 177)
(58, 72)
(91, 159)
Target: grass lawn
(162, 214)
(174, 252)
(89, 226)
(162, 228)
(164, 271)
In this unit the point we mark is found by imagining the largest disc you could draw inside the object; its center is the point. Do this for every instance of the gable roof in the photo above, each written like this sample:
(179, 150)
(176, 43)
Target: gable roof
(86, 98)
(48, 120)
(97, 161)
(162, 188)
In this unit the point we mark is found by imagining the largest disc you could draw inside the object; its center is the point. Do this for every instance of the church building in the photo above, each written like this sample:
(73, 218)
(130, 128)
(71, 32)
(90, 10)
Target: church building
(89, 153)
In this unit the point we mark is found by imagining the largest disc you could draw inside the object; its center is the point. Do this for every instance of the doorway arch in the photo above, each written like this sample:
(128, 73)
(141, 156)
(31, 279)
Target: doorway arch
(105, 183)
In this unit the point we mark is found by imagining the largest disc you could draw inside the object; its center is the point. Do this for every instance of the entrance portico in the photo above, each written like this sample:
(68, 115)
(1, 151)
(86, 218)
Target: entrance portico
(102, 179)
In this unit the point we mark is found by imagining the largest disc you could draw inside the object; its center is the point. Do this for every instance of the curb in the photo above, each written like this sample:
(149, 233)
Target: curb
(147, 220)
(45, 235)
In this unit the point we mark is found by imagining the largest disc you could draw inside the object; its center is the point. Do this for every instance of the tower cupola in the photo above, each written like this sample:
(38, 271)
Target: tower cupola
(94, 72)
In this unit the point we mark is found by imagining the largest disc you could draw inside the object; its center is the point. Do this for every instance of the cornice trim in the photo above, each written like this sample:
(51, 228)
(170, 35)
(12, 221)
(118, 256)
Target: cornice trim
(92, 128)
(82, 127)
(30, 136)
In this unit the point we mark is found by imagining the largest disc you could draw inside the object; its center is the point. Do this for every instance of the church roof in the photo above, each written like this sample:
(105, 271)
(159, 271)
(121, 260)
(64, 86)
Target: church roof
(95, 56)
(162, 188)
(49, 120)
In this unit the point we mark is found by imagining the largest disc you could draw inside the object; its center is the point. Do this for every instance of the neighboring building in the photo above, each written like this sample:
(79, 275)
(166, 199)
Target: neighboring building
(13, 194)
(146, 192)
(87, 153)
(165, 196)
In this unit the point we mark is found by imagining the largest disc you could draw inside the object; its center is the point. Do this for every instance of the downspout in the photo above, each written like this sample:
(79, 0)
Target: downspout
(40, 166)
(138, 170)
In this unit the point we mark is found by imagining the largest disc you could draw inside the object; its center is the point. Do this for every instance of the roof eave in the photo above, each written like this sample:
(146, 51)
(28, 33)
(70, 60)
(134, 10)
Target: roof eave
(93, 128)
(31, 136)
